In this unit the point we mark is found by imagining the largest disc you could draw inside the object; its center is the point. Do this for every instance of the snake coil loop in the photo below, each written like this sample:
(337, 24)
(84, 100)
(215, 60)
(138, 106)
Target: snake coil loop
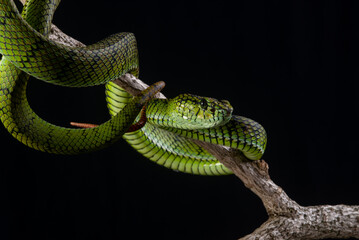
(171, 124)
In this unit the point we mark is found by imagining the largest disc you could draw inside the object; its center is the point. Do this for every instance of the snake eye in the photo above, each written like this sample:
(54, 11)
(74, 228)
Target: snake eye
(203, 103)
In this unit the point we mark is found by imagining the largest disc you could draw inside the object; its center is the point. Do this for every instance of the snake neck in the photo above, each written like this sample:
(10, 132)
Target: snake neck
(157, 114)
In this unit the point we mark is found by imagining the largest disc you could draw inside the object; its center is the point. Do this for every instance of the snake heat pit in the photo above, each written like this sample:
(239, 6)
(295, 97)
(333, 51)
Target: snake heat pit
(170, 123)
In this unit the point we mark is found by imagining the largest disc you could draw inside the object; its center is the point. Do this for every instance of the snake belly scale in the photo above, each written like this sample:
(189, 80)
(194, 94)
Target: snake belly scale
(163, 142)
(171, 124)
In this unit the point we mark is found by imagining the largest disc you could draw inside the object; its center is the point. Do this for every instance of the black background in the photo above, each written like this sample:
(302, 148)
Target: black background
(290, 65)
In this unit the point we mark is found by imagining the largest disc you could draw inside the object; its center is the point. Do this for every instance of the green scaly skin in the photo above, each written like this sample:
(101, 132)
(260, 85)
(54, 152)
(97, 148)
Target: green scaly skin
(188, 111)
(166, 139)
(19, 119)
(160, 140)
(34, 54)
(209, 120)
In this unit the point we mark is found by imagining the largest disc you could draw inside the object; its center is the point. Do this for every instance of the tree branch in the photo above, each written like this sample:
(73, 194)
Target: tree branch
(287, 219)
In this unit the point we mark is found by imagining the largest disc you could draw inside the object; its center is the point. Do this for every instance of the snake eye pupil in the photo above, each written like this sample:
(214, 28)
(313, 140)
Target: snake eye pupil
(203, 103)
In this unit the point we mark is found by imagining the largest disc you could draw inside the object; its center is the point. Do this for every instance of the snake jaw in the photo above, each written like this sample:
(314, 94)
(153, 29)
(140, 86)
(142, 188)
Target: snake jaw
(97, 64)
(188, 111)
(227, 105)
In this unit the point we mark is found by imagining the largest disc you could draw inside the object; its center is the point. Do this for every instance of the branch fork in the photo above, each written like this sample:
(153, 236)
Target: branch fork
(287, 219)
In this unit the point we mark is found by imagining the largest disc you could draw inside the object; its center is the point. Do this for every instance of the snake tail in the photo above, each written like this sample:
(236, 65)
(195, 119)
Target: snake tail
(171, 124)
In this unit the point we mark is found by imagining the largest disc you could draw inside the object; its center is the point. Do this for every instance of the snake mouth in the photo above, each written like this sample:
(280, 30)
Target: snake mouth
(227, 107)
(229, 113)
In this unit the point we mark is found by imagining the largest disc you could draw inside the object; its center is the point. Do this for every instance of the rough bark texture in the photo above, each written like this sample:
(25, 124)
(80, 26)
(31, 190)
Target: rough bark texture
(58, 36)
(287, 219)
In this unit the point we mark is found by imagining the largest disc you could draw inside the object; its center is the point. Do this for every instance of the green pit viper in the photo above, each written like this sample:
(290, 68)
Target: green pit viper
(166, 136)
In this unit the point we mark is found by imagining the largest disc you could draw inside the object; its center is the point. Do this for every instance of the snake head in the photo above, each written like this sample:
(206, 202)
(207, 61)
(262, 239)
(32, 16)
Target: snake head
(196, 112)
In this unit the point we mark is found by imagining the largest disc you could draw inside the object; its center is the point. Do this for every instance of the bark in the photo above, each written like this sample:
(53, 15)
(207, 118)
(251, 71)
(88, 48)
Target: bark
(287, 219)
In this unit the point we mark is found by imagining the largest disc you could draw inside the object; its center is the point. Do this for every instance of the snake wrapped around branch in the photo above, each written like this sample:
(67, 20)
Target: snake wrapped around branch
(171, 123)
(26, 51)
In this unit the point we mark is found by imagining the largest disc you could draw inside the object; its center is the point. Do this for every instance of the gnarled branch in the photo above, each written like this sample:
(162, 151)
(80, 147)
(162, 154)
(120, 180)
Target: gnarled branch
(287, 219)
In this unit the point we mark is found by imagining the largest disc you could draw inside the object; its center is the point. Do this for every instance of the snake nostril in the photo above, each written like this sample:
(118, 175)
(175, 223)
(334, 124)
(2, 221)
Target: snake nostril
(225, 102)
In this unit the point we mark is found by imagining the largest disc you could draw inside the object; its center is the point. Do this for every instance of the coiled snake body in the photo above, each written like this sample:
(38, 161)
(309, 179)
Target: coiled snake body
(166, 137)
(166, 140)
(26, 49)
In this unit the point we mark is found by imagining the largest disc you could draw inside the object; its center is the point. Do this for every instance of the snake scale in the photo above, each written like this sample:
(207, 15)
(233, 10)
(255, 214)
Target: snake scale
(171, 123)
(16, 114)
